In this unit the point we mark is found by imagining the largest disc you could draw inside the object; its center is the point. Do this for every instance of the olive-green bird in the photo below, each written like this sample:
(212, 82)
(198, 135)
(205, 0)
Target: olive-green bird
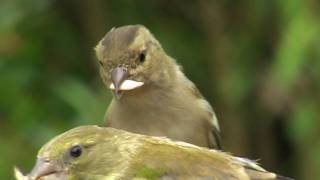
(101, 153)
(152, 96)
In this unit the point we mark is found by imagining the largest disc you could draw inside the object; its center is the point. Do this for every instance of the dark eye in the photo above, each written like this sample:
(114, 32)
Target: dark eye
(100, 62)
(75, 151)
(142, 57)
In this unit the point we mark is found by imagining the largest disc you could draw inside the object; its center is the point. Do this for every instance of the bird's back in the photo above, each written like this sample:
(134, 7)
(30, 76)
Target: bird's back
(179, 160)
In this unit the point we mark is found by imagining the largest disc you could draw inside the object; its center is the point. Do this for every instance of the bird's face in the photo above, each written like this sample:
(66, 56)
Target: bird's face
(80, 152)
(130, 58)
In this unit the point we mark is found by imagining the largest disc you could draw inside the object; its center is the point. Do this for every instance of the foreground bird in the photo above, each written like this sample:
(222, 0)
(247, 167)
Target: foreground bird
(99, 153)
(152, 96)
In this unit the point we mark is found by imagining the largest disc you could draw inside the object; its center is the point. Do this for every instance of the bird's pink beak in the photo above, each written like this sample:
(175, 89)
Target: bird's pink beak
(118, 76)
(45, 168)
(120, 82)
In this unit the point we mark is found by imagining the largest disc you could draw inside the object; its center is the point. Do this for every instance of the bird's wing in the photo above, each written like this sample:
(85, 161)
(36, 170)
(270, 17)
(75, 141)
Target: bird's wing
(256, 172)
(214, 136)
(179, 160)
(188, 177)
(214, 129)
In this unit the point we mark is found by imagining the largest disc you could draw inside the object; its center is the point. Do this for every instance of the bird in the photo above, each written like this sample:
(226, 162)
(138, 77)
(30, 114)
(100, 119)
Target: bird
(93, 152)
(152, 96)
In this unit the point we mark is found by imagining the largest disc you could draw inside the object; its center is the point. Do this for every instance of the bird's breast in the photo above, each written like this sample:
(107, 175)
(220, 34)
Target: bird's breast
(175, 122)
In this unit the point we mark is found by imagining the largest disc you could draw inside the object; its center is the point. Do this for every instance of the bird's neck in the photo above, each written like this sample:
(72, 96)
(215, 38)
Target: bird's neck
(148, 95)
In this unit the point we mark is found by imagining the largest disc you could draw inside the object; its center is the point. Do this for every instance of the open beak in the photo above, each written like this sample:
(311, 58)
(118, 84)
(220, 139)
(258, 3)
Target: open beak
(46, 169)
(120, 82)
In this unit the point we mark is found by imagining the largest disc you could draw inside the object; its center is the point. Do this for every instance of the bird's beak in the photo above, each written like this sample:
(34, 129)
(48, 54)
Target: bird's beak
(120, 82)
(44, 169)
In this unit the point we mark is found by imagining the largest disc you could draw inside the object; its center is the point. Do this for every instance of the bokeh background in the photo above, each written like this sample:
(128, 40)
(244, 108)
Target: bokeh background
(257, 62)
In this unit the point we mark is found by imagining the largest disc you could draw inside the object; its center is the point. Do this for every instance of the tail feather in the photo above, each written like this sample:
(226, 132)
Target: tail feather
(279, 177)
(265, 175)
(255, 172)
(260, 175)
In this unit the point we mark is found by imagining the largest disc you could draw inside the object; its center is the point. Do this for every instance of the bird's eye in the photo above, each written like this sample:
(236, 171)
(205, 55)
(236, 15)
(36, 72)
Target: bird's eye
(100, 62)
(142, 57)
(75, 151)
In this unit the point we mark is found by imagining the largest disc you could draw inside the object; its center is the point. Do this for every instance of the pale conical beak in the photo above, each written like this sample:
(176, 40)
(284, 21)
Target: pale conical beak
(44, 168)
(120, 82)
(118, 76)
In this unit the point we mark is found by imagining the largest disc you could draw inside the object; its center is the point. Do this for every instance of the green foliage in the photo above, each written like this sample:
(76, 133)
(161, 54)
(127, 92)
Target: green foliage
(88, 106)
(304, 121)
(258, 63)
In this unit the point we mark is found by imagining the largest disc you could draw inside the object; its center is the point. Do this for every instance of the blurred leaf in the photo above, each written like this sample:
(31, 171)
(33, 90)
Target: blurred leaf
(304, 123)
(15, 81)
(49, 81)
(13, 12)
(292, 54)
(316, 155)
(89, 107)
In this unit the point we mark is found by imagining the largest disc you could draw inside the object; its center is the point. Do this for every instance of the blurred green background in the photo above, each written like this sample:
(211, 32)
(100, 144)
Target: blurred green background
(257, 62)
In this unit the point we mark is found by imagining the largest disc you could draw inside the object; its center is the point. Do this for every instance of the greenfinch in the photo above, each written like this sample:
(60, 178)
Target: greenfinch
(101, 153)
(152, 95)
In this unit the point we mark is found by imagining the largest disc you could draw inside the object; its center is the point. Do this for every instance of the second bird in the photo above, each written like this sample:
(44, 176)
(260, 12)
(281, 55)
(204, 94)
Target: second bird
(152, 96)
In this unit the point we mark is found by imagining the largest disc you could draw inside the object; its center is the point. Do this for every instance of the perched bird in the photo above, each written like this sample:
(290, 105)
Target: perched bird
(152, 96)
(92, 152)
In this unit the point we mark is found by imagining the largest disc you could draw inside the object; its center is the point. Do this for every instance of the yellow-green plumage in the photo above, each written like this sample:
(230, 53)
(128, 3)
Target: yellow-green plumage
(109, 153)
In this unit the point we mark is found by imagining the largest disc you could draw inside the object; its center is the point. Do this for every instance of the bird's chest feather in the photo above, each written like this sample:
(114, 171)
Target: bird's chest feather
(161, 116)
(151, 117)
(177, 115)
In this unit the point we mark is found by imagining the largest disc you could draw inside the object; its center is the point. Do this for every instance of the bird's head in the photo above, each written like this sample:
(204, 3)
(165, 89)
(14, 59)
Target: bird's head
(131, 58)
(85, 151)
